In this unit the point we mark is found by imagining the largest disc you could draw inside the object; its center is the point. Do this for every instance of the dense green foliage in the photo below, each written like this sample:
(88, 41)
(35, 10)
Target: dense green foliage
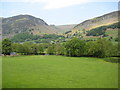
(101, 48)
(58, 72)
(101, 30)
(46, 38)
(74, 47)
(6, 47)
(56, 49)
(22, 37)
(27, 48)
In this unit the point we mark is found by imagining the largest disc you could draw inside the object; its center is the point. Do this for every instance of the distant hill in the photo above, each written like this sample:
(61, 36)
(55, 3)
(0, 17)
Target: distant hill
(65, 28)
(82, 28)
(12, 26)
(25, 23)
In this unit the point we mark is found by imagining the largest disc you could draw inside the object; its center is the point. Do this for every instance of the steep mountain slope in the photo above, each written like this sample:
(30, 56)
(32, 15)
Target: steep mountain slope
(25, 23)
(0, 28)
(87, 25)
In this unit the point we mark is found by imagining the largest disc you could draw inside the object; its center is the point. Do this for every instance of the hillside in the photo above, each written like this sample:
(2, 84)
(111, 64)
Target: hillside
(29, 24)
(65, 28)
(25, 23)
(87, 25)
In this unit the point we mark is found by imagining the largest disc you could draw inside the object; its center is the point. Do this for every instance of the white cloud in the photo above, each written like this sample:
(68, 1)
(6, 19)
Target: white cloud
(54, 4)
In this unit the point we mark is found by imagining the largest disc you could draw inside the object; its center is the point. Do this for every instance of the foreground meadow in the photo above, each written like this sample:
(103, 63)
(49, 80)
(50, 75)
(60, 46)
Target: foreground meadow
(0, 72)
(58, 72)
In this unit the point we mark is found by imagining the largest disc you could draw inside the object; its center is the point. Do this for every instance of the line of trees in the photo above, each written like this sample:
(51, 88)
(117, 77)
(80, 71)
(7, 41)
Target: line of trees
(74, 47)
(22, 37)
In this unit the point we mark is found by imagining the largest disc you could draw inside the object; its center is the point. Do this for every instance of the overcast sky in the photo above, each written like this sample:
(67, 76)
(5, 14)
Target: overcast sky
(58, 12)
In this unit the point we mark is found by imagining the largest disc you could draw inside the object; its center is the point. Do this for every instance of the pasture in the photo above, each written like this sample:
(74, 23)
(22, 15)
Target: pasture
(58, 72)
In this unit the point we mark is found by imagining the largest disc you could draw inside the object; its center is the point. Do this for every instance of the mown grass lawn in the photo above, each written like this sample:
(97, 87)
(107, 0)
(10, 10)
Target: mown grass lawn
(58, 72)
(0, 72)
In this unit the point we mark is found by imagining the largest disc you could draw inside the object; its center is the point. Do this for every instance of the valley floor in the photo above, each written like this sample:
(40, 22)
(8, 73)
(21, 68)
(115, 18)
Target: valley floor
(58, 72)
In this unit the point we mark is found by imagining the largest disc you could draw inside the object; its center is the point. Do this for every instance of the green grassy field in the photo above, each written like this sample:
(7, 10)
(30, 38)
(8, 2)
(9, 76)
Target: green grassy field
(114, 31)
(58, 72)
(0, 72)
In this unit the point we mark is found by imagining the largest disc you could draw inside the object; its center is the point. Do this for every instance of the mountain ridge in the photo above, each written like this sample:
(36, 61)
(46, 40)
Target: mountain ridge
(37, 26)
(87, 25)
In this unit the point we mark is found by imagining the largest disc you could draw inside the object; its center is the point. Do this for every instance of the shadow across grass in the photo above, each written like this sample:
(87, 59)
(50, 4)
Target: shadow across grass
(112, 59)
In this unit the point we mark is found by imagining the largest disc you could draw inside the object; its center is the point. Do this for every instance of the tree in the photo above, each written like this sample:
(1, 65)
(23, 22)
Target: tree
(6, 47)
(75, 47)
(51, 50)
(101, 48)
(19, 48)
(59, 49)
(27, 50)
(34, 49)
(90, 48)
(104, 49)
(0, 47)
(115, 50)
(40, 49)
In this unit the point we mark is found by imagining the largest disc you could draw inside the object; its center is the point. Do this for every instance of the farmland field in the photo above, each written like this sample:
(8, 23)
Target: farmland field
(58, 72)
(114, 31)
